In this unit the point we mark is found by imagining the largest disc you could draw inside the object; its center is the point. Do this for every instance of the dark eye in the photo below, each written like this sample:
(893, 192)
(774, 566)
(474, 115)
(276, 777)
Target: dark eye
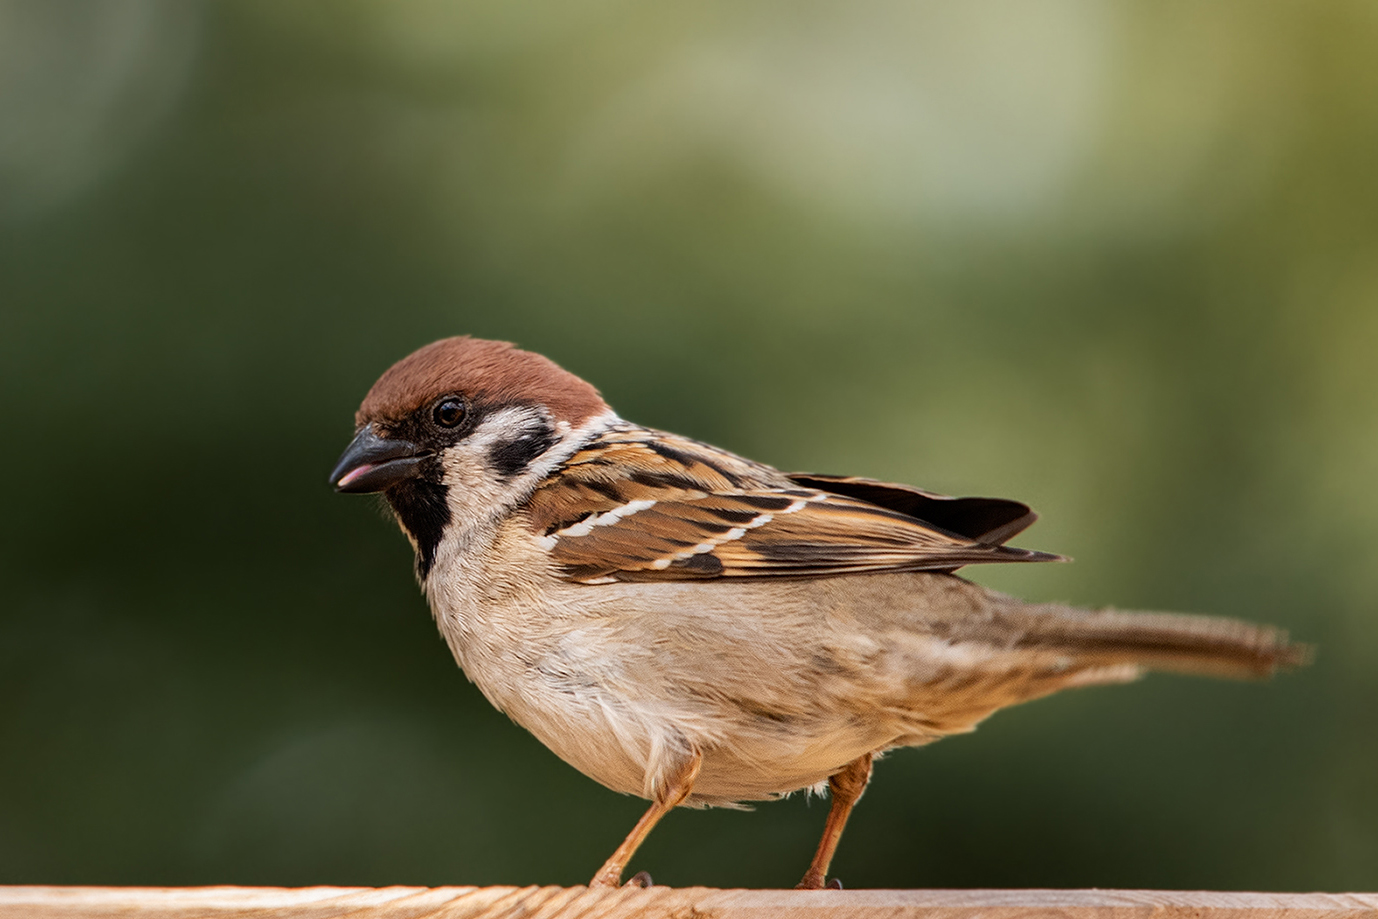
(448, 412)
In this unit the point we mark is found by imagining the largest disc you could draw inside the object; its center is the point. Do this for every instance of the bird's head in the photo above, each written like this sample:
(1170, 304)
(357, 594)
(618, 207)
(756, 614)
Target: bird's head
(457, 431)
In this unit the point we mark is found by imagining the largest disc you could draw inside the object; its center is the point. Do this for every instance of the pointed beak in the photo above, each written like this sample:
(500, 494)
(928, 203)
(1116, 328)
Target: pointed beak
(373, 463)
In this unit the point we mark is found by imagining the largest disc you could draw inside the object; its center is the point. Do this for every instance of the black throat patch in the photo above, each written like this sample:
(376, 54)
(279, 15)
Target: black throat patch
(421, 509)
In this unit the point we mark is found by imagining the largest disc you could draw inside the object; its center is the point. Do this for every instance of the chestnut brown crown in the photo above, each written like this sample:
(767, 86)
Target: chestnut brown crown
(489, 372)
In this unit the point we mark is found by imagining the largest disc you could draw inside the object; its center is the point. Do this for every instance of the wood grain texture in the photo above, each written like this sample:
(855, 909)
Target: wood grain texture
(663, 903)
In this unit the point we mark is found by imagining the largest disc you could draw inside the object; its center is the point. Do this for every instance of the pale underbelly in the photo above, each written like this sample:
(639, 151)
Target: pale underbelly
(752, 763)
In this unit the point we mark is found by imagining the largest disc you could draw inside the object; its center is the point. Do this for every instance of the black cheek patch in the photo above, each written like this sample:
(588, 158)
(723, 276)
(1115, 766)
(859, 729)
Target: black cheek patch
(513, 456)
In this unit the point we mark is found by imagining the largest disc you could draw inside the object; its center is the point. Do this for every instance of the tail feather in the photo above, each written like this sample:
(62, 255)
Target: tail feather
(1161, 641)
(975, 651)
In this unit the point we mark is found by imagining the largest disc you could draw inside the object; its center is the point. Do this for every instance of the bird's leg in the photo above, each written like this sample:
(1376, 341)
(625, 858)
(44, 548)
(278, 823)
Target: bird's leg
(845, 788)
(610, 875)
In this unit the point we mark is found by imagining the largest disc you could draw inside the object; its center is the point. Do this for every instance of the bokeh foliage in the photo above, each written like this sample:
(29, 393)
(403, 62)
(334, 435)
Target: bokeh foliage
(1118, 260)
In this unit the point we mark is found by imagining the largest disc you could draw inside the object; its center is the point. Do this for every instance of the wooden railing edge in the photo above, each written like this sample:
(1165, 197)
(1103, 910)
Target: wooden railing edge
(40, 902)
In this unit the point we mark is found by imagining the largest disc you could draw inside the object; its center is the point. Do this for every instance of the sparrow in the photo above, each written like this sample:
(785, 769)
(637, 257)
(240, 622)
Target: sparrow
(683, 624)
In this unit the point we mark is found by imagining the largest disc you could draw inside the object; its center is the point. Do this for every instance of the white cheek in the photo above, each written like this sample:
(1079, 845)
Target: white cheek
(476, 493)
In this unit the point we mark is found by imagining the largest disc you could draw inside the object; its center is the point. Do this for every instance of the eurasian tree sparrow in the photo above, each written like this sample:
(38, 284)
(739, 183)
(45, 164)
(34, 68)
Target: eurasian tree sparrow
(683, 624)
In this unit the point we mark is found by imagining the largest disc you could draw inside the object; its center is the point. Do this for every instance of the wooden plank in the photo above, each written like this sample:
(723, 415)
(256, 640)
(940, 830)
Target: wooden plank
(663, 903)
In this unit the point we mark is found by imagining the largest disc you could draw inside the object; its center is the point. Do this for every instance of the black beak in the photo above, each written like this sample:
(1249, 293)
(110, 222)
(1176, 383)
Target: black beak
(373, 463)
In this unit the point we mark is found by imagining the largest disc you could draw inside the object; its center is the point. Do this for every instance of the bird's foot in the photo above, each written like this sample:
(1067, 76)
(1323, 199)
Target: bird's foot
(607, 877)
(611, 876)
(814, 881)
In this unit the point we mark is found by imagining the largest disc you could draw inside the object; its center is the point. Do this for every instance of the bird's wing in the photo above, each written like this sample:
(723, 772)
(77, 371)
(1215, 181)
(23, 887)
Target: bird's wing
(639, 505)
(987, 520)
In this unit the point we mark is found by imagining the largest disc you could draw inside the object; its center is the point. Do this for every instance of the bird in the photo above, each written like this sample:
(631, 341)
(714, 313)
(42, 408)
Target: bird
(683, 624)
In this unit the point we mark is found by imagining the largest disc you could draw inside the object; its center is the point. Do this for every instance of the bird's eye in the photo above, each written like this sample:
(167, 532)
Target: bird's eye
(448, 412)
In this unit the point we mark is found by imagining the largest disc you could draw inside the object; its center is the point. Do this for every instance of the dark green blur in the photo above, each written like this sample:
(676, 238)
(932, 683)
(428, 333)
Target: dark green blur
(1118, 261)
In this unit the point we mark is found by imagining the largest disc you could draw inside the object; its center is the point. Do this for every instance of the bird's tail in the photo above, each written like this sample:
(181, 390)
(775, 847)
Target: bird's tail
(975, 651)
(1159, 641)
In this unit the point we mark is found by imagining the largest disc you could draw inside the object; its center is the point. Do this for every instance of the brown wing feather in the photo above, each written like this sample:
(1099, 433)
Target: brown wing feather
(988, 520)
(641, 505)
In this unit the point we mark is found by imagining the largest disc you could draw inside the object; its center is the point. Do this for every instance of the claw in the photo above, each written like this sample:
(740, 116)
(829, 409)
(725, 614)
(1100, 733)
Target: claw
(640, 879)
(815, 882)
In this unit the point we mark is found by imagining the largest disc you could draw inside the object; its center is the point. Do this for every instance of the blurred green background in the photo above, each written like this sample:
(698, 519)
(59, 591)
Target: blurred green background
(1119, 260)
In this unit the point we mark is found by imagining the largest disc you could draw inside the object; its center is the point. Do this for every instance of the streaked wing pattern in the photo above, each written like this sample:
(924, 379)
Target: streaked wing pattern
(642, 505)
(987, 520)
